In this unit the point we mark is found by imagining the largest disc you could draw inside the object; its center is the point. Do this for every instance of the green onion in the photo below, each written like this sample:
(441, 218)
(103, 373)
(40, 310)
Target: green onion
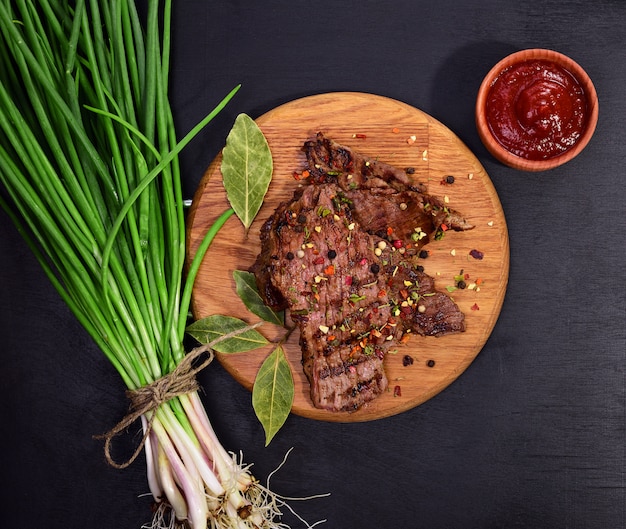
(90, 176)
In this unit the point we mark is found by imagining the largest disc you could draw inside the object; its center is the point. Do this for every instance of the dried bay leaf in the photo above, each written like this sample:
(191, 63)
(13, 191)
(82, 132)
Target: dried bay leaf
(273, 393)
(248, 292)
(247, 167)
(210, 328)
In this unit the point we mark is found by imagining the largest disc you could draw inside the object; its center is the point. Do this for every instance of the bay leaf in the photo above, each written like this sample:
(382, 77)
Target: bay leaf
(245, 285)
(273, 393)
(247, 168)
(216, 326)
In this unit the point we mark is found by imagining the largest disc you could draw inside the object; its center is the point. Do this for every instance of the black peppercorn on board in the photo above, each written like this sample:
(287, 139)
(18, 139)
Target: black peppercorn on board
(405, 137)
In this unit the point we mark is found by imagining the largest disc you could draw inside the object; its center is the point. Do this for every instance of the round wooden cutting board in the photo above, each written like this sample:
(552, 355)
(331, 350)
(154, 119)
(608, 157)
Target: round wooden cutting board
(404, 137)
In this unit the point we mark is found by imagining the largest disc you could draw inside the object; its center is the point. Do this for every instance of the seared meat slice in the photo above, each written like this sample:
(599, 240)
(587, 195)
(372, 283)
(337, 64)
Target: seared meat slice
(318, 262)
(382, 195)
(422, 308)
(409, 216)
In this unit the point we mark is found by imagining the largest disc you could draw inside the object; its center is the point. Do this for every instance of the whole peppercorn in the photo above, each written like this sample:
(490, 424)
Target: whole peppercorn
(430, 363)
(407, 360)
(374, 268)
(449, 179)
(423, 254)
(331, 254)
(461, 284)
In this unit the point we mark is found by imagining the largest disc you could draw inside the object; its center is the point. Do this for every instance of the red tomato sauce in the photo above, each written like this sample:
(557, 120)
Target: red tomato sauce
(536, 109)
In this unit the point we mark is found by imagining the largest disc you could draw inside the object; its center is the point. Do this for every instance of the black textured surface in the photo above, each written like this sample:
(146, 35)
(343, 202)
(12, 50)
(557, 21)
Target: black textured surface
(531, 436)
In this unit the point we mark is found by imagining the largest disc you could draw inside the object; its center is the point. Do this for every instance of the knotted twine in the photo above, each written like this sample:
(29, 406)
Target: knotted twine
(180, 381)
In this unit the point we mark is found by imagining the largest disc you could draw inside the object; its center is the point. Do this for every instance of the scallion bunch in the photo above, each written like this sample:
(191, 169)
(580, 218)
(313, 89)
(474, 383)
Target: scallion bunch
(90, 176)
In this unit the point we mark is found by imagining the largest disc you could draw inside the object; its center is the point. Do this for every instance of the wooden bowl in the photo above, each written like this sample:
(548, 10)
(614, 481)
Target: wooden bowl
(503, 122)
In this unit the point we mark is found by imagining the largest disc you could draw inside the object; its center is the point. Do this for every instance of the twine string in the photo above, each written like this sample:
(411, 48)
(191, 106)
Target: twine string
(180, 381)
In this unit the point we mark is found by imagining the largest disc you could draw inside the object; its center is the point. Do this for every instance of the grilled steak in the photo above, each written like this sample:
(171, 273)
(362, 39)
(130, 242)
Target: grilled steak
(341, 256)
(320, 264)
(382, 196)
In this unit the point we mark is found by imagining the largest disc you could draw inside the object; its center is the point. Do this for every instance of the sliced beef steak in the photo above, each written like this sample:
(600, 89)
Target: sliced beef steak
(318, 262)
(421, 308)
(340, 255)
(382, 195)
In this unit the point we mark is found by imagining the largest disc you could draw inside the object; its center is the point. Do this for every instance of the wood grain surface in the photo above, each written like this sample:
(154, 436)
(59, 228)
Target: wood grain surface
(402, 136)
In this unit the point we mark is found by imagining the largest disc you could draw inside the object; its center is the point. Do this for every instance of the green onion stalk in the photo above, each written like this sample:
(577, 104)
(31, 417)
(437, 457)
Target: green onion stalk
(90, 176)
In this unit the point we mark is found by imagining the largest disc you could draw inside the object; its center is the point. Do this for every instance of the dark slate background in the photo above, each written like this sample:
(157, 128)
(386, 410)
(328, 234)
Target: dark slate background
(532, 436)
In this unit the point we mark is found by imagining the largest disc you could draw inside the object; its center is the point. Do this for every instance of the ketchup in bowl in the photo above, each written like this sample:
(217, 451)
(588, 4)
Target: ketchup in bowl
(536, 109)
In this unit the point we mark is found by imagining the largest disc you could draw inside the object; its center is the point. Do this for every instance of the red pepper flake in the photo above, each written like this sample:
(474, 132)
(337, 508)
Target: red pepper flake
(466, 276)
(348, 280)
(363, 261)
(479, 281)
(475, 306)
(405, 338)
(395, 130)
(360, 136)
(477, 254)
(397, 391)
(318, 260)
(329, 270)
(444, 227)
(296, 175)
(406, 311)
